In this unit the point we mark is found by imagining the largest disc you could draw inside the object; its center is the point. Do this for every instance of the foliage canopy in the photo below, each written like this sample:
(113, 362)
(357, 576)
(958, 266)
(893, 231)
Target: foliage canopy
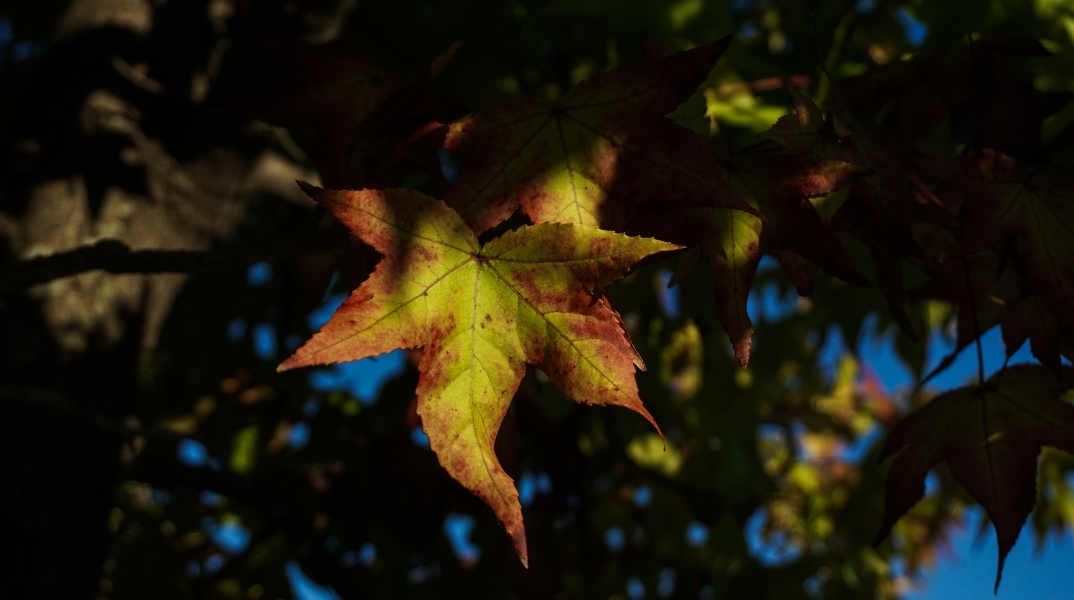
(507, 222)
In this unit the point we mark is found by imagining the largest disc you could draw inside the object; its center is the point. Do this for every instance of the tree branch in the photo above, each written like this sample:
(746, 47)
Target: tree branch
(43, 399)
(114, 256)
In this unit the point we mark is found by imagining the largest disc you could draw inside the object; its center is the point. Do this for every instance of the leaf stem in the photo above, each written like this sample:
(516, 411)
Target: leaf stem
(976, 322)
(1002, 370)
(824, 84)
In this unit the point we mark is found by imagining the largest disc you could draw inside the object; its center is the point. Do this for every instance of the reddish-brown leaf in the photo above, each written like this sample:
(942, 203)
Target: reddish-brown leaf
(990, 437)
(333, 85)
(886, 207)
(779, 186)
(604, 141)
(364, 155)
(1004, 198)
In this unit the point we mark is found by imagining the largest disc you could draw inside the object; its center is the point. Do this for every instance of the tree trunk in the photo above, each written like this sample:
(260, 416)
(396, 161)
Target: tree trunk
(108, 140)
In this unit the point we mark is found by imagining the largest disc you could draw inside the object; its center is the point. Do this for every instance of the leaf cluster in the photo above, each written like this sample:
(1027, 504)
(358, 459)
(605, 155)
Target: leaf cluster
(604, 154)
(529, 224)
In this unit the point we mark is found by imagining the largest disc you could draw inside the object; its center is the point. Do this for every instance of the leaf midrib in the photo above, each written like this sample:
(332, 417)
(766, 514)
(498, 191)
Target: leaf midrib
(570, 342)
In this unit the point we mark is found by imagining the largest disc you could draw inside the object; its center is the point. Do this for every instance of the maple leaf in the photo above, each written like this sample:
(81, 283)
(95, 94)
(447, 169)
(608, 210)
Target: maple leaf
(805, 132)
(925, 87)
(1003, 198)
(532, 295)
(327, 86)
(990, 436)
(800, 271)
(1030, 320)
(606, 139)
(734, 241)
(888, 209)
(885, 207)
(970, 87)
(365, 155)
(993, 295)
(364, 120)
(890, 196)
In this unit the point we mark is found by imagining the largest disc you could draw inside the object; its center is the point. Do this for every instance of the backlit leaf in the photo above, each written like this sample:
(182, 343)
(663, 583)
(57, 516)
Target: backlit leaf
(605, 140)
(532, 295)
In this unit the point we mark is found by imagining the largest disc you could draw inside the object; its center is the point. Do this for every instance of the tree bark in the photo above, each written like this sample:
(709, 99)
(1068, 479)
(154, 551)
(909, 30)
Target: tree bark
(109, 140)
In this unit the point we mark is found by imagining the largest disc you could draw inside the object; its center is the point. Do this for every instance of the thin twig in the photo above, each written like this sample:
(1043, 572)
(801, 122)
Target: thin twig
(999, 375)
(976, 323)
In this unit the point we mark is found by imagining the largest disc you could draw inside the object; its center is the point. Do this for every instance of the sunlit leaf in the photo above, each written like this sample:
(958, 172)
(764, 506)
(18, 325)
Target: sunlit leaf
(532, 295)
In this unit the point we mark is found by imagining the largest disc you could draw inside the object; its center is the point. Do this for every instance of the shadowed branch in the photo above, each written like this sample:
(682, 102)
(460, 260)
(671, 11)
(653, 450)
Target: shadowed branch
(114, 256)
